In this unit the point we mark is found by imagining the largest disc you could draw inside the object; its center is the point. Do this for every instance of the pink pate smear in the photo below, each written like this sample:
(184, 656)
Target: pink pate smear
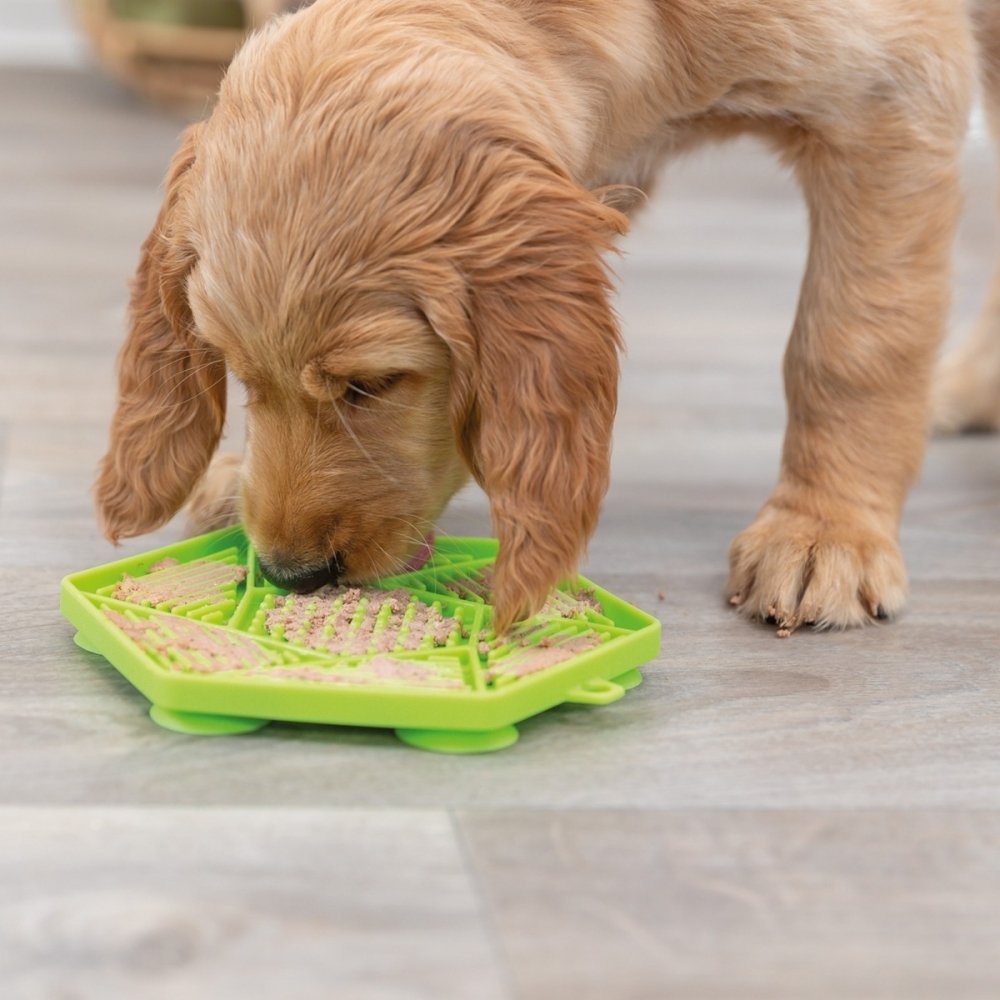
(378, 670)
(185, 645)
(172, 583)
(353, 621)
(522, 662)
(559, 603)
(204, 650)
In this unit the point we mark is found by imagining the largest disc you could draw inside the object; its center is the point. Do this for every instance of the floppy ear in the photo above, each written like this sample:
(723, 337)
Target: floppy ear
(535, 372)
(171, 387)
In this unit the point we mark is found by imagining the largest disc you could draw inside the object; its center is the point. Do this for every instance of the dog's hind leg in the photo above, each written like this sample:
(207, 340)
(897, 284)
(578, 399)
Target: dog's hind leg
(967, 387)
(881, 183)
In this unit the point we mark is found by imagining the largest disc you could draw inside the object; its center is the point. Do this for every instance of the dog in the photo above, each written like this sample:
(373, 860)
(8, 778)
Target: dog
(393, 230)
(967, 388)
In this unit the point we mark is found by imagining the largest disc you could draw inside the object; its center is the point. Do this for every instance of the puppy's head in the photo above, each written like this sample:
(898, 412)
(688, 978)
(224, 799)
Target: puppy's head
(408, 298)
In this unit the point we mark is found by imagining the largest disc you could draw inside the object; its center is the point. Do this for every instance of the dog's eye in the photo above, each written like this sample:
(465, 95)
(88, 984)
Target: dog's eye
(361, 390)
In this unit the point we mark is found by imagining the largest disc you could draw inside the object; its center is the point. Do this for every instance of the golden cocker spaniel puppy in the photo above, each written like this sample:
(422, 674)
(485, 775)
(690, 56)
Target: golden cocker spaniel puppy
(392, 230)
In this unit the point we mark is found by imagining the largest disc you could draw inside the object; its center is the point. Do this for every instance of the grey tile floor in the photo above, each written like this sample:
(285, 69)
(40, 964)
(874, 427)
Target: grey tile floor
(812, 818)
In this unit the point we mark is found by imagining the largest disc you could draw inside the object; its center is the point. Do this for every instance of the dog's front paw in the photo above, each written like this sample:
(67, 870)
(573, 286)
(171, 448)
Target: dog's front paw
(215, 501)
(792, 568)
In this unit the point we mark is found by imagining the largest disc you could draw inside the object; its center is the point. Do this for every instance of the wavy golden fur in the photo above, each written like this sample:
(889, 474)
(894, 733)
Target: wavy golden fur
(967, 388)
(393, 230)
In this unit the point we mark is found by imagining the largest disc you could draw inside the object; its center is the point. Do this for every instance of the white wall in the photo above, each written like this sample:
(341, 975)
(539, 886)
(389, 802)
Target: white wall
(38, 32)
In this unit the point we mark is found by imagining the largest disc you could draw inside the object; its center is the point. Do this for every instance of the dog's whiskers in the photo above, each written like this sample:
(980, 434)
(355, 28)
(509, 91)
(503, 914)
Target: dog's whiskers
(185, 402)
(395, 562)
(364, 451)
(381, 400)
(171, 384)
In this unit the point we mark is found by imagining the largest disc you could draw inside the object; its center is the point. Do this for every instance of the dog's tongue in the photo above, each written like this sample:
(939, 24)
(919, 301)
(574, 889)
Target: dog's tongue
(420, 558)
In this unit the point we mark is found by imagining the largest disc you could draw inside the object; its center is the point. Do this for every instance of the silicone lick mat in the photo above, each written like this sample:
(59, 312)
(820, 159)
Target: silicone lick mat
(218, 649)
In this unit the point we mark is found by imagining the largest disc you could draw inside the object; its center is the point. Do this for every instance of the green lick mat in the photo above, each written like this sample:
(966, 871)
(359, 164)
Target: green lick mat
(217, 649)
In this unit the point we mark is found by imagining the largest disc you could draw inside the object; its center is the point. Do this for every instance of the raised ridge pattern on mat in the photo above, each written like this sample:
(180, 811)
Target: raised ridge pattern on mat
(347, 635)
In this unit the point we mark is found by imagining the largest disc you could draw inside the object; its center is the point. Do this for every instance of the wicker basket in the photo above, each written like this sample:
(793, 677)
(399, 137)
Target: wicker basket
(173, 52)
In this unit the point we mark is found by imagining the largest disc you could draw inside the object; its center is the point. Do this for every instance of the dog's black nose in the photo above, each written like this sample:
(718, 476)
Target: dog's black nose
(305, 580)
